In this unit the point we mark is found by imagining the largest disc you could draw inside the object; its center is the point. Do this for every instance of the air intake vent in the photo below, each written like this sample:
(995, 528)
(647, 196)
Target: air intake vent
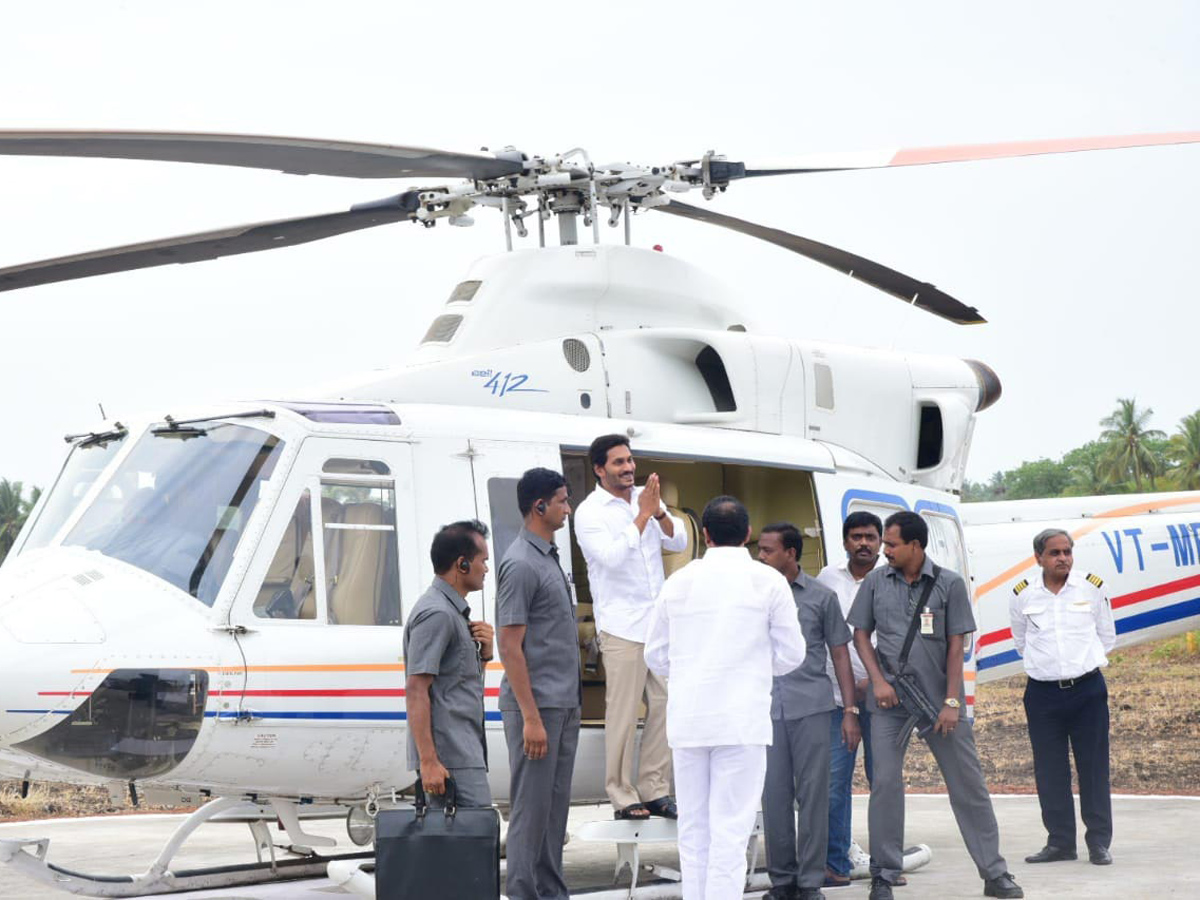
(442, 330)
(465, 292)
(712, 369)
(577, 355)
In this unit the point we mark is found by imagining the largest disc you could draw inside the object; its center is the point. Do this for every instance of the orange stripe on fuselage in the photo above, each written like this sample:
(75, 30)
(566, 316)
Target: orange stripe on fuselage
(1092, 525)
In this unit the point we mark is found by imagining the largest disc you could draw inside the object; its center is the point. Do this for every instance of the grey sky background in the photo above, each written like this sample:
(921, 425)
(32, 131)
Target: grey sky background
(1082, 263)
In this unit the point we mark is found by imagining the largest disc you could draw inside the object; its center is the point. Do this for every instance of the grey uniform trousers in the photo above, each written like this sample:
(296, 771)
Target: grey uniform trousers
(540, 795)
(969, 799)
(797, 773)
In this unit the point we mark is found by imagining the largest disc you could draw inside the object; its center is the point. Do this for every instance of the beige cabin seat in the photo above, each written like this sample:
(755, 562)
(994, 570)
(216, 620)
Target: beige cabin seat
(673, 561)
(362, 568)
(306, 576)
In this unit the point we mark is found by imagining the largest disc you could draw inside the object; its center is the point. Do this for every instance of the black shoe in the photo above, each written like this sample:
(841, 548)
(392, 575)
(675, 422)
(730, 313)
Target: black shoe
(782, 892)
(809, 893)
(1051, 854)
(1099, 856)
(881, 889)
(1002, 886)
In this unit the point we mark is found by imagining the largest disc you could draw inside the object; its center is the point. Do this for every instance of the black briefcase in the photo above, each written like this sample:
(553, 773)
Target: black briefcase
(425, 853)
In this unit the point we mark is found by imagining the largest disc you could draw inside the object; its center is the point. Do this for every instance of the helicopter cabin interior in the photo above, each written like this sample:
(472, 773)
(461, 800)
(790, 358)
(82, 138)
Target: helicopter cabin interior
(770, 495)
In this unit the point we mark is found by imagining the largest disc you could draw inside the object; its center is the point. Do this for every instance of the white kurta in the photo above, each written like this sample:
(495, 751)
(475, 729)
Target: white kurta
(625, 569)
(723, 627)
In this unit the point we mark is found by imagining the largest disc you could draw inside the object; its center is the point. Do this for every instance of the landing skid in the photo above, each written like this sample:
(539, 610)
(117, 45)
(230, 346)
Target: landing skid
(29, 857)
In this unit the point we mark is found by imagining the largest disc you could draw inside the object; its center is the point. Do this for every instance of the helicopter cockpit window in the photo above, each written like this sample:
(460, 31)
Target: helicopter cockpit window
(87, 460)
(177, 504)
(362, 571)
(288, 589)
(946, 544)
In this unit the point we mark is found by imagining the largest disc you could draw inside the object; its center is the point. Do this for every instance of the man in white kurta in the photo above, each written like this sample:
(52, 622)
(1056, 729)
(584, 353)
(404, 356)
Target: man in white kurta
(723, 627)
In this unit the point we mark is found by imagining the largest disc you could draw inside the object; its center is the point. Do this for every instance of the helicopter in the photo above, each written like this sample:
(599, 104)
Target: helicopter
(205, 607)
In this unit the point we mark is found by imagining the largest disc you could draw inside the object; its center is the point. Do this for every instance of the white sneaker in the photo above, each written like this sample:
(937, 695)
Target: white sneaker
(860, 861)
(914, 858)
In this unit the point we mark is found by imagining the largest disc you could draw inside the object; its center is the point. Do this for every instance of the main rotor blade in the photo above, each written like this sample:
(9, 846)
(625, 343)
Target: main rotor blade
(296, 156)
(210, 244)
(919, 293)
(921, 156)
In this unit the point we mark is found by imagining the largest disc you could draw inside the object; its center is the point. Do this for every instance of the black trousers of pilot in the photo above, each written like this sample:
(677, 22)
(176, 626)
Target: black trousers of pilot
(1076, 716)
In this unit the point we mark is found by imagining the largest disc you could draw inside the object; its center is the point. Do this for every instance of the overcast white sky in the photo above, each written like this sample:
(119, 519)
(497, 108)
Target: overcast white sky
(1082, 263)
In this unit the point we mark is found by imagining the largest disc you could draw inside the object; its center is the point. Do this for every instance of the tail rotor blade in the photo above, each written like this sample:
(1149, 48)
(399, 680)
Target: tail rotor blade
(919, 293)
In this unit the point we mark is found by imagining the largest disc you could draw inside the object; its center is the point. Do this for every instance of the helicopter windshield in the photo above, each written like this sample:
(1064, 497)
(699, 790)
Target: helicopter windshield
(88, 459)
(178, 503)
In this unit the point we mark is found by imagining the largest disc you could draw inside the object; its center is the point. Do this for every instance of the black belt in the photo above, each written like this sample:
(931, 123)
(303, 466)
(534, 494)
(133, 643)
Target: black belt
(1064, 683)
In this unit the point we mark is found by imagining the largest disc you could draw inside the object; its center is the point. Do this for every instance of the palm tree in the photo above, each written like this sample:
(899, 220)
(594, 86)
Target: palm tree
(1126, 440)
(1185, 448)
(1087, 467)
(13, 511)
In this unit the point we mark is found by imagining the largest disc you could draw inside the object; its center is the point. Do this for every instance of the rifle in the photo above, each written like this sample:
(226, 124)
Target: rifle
(922, 714)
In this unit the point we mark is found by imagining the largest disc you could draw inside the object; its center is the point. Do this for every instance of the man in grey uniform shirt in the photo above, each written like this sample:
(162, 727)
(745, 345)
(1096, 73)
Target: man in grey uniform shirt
(444, 656)
(540, 692)
(798, 758)
(886, 603)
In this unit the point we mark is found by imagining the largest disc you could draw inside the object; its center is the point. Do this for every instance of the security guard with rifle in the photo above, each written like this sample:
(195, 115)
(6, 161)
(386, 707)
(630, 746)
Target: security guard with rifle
(921, 614)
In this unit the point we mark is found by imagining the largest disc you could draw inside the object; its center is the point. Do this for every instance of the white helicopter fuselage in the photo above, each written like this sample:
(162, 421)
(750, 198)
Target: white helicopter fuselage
(218, 606)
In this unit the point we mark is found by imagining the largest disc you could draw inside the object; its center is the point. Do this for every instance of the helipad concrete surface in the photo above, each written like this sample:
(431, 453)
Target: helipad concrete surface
(1152, 849)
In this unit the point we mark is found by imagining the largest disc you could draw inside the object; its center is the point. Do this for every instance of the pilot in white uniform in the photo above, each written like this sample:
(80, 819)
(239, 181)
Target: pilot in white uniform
(1062, 625)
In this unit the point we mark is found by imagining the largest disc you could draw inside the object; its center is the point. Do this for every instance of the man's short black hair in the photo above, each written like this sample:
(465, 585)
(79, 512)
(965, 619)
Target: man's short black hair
(861, 519)
(726, 521)
(455, 540)
(598, 452)
(912, 527)
(789, 536)
(537, 484)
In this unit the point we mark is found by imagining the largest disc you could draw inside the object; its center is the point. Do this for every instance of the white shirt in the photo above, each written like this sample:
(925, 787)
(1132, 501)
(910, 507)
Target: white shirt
(625, 570)
(723, 627)
(1062, 635)
(845, 585)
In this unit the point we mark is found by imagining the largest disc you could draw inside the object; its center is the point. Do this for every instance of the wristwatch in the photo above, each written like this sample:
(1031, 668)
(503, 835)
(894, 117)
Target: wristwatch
(852, 709)
(953, 703)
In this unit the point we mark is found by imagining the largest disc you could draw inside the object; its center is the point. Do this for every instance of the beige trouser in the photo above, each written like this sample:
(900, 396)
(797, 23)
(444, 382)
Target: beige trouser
(627, 683)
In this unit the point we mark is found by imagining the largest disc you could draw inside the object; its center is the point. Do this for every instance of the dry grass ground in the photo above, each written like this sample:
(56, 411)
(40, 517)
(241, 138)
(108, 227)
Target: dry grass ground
(1154, 701)
(1154, 696)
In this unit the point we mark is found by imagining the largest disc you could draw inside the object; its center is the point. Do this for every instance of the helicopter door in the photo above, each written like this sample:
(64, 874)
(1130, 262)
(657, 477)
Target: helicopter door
(497, 466)
(321, 602)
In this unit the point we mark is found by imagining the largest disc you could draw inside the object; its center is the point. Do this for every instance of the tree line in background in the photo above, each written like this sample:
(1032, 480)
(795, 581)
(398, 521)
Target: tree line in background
(1127, 456)
(15, 505)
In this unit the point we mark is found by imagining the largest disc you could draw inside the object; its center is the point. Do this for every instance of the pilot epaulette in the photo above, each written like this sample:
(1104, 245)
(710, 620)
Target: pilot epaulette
(1020, 585)
(1096, 580)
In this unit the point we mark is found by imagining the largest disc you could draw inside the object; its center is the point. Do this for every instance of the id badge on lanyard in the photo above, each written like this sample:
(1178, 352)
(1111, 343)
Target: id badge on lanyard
(927, 622)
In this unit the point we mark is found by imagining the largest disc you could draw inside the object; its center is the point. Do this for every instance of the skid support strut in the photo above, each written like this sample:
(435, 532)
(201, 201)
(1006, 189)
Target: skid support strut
(30, 857)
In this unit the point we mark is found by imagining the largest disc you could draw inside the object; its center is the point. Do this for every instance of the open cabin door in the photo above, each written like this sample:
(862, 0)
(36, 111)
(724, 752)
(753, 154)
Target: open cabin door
(496, 467)
(320, 606)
